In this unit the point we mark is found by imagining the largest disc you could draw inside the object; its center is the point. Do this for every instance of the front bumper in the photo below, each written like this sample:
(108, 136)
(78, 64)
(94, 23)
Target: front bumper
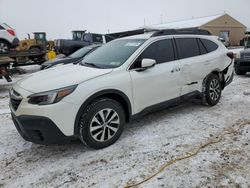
(242, 65)
(39, 130)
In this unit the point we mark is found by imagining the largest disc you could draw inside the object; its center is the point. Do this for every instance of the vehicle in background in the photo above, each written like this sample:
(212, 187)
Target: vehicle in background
(30, 51)
(37, 44)
(242, 62)
(247, 44)
(225, 42)
(73, 58)
(80, 39)
(246, 40)
(124, 79)
(8, 38)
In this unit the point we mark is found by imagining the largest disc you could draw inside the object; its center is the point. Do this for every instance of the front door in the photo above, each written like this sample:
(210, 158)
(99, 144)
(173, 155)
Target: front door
(159, 83)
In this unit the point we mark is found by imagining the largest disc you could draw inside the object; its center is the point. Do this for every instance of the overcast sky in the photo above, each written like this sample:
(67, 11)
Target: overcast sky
(59, 17)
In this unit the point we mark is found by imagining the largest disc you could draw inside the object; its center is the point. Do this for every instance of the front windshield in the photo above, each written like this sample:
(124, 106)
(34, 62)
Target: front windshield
(113, 54)
(80, 53)
(248, 44)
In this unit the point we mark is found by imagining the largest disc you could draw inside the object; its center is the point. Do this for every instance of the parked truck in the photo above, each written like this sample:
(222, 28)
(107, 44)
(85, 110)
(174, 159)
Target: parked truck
(28, 51)
(242, 62)
(80, 39)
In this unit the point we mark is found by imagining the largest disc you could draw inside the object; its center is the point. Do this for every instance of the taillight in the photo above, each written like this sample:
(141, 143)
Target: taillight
(12, 32)
(231, 55)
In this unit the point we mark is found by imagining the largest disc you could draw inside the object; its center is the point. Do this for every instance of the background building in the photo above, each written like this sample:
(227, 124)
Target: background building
(222, 25)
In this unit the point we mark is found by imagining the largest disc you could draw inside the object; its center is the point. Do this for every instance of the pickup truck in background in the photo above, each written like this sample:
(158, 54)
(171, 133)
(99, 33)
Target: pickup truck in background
(80, 39)
(242, 62)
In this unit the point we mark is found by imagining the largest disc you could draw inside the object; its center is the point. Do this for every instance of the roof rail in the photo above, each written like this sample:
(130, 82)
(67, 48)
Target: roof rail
(181, 32)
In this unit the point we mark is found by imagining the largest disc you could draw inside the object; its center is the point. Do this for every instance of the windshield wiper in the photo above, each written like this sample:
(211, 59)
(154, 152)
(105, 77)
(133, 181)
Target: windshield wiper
(90, 64)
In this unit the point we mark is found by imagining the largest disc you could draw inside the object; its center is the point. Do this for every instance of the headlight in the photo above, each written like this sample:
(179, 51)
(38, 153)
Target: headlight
(50, 97)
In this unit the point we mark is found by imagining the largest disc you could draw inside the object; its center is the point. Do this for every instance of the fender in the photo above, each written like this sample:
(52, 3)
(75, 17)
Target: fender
(128, 111)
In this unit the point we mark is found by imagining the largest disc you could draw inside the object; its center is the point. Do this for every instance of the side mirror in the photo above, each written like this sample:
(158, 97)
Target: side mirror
(147, 63)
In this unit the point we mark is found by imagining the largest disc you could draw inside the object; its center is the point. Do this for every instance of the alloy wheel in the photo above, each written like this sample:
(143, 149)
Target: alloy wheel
(104, 125)
(3, 47)
(214, 89)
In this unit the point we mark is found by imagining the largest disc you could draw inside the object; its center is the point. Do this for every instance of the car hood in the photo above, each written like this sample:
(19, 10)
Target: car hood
(60, 77)
(247, 50)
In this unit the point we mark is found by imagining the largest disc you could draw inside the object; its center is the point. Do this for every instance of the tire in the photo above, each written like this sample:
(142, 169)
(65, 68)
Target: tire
(35, 49)
(92, 129)
(240, 72)
(4, 47)
(213, 90)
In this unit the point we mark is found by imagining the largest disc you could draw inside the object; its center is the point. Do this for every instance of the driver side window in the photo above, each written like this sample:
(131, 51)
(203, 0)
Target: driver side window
(162, 51)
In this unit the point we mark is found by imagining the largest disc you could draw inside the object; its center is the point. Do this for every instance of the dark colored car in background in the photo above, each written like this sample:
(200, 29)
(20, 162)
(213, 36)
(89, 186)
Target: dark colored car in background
(80, 39)
(242, 64)
(75, 57)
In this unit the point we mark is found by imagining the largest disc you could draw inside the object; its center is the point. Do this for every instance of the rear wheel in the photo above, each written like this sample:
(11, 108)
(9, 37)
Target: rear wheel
(101, 123)
(213, 90)
(4, 47)
(240, 72)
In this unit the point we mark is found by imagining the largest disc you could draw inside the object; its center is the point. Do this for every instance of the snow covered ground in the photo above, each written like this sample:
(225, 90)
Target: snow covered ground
(145, 146)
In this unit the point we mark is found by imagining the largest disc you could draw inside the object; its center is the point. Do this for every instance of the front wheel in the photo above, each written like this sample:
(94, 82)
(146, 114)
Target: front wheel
(101, 123)
(240, 72)
(4, 47)
(213, 90)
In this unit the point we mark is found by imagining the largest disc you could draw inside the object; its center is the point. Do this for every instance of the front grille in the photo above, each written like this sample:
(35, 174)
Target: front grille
(246, 56)
(15, 99)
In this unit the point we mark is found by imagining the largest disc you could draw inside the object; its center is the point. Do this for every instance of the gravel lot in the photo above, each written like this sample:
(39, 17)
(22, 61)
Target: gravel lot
(145, 146)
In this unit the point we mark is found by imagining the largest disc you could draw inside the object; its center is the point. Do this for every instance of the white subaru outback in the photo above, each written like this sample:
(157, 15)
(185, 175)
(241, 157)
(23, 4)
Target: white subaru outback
(121, 80)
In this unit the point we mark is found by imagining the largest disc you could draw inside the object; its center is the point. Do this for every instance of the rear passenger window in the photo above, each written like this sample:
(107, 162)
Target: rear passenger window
(162, 51)
(202, 47)
(187, 47)
(210, 46)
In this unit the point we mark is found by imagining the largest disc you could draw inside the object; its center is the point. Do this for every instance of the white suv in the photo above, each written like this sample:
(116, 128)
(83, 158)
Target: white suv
(8, 38)
(121, 80)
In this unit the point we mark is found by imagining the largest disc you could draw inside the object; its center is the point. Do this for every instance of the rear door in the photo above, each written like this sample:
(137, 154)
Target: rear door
(195, 66)
(159, 83)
